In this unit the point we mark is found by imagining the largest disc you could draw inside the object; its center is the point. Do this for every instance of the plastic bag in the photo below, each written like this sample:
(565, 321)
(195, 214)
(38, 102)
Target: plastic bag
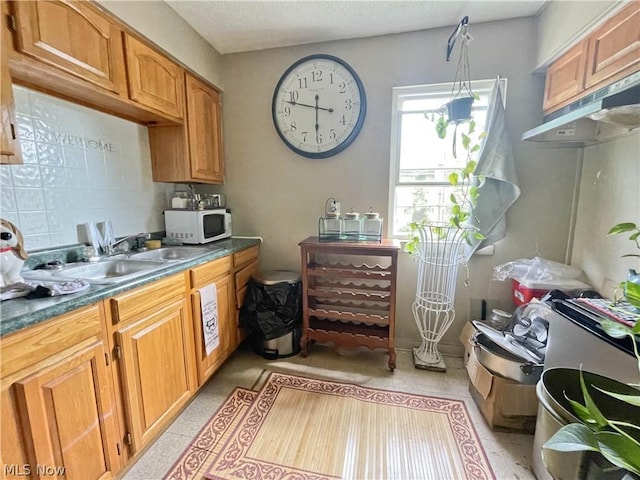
(537, 269)
(270, 311)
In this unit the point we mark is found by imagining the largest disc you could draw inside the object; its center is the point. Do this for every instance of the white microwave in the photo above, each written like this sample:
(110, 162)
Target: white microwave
(198, 226)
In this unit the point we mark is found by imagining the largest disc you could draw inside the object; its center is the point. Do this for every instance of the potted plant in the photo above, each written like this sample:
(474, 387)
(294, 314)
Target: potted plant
(464, 199)
(462, 97)
(617, 441)
(437, 249)
(631, 286)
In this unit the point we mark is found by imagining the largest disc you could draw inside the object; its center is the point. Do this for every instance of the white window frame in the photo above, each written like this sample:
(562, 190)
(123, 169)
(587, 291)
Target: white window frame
(399, 94)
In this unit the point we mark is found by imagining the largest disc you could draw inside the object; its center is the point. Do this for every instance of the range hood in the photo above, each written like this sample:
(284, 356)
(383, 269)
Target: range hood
(600, 116)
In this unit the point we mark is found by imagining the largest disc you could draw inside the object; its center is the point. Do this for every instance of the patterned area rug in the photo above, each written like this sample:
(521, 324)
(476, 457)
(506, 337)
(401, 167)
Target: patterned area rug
(203, 449)
(306, 429)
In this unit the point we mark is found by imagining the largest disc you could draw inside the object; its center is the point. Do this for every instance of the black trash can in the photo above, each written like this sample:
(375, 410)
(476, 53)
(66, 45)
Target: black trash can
(272, 313)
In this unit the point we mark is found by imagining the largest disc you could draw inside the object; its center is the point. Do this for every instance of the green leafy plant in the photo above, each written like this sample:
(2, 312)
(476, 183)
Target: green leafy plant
(631, 286)
(616, 441)
(465, 198)
(625, 228)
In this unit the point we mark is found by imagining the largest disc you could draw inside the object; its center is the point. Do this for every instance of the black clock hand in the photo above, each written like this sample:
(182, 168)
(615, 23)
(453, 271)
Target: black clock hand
(330, 110)
(317, 126)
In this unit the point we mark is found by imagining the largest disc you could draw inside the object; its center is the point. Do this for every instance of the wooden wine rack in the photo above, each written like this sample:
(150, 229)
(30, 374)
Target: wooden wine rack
(349, 294)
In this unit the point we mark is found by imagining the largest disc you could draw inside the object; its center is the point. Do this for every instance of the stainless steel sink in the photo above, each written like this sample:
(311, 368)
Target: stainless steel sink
(103, 272)
(170, 254)
(109, 271)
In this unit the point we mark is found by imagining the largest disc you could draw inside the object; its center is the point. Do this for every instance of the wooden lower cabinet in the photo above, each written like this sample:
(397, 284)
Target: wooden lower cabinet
(58, 414)
(155, 356)
(227, 330)
(78, 388)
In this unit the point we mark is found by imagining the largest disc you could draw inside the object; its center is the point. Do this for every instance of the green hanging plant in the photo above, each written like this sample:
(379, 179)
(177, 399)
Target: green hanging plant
(465, 199)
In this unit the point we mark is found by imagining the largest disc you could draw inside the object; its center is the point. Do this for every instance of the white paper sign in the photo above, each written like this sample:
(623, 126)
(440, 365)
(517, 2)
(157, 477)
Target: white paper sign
(209, 308)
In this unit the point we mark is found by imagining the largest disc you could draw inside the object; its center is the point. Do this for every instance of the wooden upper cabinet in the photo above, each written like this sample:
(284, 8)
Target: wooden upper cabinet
(565, 78)
(614, 48)
(154, 80)
(9, 145)
(74, 37)
(193, 152)
(204, 124)
(610, 53)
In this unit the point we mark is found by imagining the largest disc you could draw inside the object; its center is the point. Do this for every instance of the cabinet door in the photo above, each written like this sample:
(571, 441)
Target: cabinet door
(156, 369)
(69, 416)
(205, 131)
(154, 80)
(226, 324)
(75, 38)
(565, 78)
(614, 48)
(9, 152)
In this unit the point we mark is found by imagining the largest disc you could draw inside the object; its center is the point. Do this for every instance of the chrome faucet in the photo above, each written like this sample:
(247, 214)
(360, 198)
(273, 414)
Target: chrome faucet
(122, 245)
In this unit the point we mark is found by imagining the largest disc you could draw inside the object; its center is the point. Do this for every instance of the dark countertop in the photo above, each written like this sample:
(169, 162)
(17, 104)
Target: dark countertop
(20, 313)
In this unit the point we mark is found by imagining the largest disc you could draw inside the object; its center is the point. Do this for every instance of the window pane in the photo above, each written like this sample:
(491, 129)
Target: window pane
(423, 156)
(417, 203)
(423, 161)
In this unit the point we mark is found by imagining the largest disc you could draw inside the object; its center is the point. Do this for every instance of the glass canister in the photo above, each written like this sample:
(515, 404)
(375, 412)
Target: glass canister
(351, 224)
(330, 228)
(371, 227)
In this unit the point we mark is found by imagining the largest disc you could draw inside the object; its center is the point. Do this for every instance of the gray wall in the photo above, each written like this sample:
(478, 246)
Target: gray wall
(162, 25)
(609, 194)
(279, 195)
(562, 23)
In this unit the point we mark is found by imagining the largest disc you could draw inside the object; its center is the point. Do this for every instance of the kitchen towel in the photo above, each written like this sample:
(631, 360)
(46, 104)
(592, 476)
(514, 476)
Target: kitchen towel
(209, 309)
(500, 188)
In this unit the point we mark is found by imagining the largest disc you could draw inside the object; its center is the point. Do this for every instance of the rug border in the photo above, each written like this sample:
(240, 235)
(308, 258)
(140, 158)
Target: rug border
(272, 374)
(218, 410)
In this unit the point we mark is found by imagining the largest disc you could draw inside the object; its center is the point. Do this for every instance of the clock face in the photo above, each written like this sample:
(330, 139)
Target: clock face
(319, 106)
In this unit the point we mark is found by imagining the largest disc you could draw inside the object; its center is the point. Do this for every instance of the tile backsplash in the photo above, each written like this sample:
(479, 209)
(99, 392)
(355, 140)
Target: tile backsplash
(80, 165)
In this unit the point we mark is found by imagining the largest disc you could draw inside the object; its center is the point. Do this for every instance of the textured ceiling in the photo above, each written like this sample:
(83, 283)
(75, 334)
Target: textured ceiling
(233, 26)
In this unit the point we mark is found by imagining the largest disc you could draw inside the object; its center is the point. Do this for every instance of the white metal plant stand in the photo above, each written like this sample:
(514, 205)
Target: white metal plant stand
(439, 254)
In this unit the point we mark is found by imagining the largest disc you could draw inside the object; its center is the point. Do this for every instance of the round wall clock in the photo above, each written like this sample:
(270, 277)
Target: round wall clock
(319, 106)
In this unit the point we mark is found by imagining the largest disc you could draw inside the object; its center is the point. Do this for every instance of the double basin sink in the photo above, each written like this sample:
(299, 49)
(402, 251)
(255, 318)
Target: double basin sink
(118, 268)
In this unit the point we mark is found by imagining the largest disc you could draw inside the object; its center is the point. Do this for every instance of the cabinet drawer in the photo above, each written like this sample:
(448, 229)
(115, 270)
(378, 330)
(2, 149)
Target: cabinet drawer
(242, 280)
(40, 342)
(245, 256)
(131, 304)
(205, 274)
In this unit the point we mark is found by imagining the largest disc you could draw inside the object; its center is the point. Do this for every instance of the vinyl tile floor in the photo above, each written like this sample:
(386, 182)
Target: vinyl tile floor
(509, 453)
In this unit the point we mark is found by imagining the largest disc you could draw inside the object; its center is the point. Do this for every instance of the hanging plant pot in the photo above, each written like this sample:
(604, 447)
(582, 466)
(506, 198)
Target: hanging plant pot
(459, 109)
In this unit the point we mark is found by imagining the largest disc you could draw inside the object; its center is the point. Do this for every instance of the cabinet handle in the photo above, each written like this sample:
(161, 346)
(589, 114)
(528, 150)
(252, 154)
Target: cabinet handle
(11, 21)
(117, 351)
(13, 132)
(106, 359)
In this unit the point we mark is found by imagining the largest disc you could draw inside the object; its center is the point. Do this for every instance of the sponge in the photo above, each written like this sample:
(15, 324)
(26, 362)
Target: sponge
(152, 244)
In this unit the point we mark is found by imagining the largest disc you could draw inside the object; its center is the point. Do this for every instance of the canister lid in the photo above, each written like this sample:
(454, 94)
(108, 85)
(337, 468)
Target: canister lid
(271, 277)
(371, 214)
